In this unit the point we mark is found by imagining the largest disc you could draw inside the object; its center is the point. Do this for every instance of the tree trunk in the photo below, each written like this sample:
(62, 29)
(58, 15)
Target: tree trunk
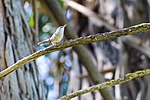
(16, 42)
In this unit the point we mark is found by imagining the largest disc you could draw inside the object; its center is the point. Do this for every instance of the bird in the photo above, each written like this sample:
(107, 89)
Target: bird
(56, 37)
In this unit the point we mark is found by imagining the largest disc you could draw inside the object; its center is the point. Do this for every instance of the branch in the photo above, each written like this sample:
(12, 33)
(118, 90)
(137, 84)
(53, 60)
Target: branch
(35, 11)
(137, 44)
(96, 19)
(81, 51)
(75, 42)
(126, 78)
(102, 71)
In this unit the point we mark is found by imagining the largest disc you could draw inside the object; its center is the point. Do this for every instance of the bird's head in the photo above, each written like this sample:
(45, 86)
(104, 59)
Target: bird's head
(61, 29)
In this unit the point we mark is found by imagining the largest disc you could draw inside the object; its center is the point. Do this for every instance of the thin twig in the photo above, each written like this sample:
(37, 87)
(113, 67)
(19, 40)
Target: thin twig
(97, 20)
(75, 42)
(35, 11)
(105, 71)
(126, 78)
(137, 44)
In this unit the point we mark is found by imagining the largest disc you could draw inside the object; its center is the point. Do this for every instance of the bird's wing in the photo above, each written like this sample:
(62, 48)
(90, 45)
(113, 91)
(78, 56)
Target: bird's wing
(52, 37)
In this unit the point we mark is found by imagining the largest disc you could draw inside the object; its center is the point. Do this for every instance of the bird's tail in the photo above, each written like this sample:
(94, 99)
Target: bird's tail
(43, 42)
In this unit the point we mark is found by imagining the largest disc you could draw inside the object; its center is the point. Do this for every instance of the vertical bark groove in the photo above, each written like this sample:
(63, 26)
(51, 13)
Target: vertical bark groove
(15, 43)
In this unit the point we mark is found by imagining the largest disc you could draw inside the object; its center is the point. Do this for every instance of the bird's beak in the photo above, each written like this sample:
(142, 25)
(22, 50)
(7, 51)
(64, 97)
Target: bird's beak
(64, 25)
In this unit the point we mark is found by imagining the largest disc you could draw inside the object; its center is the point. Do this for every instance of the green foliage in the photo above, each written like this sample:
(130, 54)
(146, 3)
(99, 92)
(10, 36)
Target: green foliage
(61, 3)
(31, 21)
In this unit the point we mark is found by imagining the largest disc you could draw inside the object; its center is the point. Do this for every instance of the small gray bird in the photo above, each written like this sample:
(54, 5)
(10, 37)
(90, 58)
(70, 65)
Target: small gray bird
(56, 37)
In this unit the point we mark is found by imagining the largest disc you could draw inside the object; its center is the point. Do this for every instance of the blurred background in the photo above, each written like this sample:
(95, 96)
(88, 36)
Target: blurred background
(64, 71)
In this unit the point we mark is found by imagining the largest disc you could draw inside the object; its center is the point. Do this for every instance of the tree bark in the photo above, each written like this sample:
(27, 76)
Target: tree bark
(16, 42)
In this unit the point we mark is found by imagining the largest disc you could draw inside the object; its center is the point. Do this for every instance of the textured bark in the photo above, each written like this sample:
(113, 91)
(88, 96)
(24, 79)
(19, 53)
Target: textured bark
(16, 43)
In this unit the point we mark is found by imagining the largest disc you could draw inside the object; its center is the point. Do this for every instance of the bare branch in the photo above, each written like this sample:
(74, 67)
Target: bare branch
(126, 78)
(102, 71)
(75, 42)
(137, 44)
(35, 11)
(97, 20)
